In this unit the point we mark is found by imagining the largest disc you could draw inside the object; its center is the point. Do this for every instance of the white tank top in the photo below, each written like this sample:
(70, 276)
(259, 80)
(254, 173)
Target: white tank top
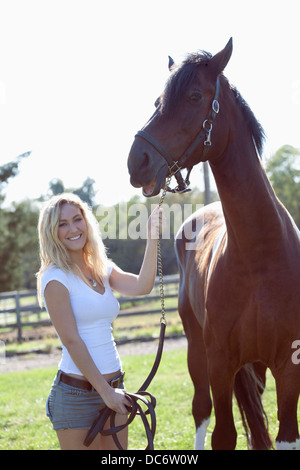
(94, 314)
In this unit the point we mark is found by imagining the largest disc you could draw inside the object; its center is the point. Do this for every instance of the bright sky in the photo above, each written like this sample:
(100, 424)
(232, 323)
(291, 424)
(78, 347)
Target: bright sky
(78, 78)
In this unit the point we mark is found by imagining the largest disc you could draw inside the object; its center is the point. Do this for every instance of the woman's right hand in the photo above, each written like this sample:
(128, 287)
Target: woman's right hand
(116, 400)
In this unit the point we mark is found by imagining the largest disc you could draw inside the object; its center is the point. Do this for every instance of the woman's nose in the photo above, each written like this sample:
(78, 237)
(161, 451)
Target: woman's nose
(72, 227)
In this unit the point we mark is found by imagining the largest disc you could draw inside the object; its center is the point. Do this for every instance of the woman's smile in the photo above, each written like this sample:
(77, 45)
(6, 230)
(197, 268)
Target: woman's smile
(75, 238)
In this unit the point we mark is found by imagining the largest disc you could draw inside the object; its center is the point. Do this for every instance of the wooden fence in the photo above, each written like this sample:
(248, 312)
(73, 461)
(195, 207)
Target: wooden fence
(19, 309)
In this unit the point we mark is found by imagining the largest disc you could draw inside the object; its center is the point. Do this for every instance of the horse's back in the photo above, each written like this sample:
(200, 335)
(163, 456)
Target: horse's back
(193, 245)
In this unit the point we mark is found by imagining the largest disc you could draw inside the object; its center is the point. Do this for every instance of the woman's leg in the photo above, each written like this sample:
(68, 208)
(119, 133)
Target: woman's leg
(72, 439)
(107, 442)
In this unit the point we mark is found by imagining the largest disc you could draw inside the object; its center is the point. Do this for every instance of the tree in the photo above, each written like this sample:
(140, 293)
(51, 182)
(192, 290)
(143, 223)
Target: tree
(10, 170)
(56, 186)
(19, 255)
(10, 237)
(283, 169)
(86, 192)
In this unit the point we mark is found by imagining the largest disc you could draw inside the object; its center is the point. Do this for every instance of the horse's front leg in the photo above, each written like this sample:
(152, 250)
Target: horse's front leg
(221, 381)
(202, 404)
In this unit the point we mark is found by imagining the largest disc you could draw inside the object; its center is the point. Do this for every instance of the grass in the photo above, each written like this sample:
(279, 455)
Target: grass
(25, 426)
(22, 404)
(137, 326)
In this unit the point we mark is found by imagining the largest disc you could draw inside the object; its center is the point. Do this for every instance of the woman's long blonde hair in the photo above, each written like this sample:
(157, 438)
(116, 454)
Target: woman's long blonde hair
(53, 252)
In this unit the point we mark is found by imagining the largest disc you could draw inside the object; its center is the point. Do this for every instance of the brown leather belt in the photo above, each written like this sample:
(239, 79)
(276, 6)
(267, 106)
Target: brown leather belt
(85, 385)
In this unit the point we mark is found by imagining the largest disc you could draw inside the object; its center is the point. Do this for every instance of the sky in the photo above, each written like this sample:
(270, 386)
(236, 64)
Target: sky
(78, 78)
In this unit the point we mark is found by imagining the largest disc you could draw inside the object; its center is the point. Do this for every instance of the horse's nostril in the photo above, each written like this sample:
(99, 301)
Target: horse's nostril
(146, 159)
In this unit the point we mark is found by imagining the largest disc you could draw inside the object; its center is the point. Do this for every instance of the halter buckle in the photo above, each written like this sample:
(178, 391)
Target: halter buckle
(183, 185)
(215, 106)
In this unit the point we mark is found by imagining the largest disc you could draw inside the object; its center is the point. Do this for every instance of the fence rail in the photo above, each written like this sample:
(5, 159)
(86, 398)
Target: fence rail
(19, 309)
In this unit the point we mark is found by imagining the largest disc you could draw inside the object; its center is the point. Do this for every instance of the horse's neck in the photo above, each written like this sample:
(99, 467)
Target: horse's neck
(252, 212)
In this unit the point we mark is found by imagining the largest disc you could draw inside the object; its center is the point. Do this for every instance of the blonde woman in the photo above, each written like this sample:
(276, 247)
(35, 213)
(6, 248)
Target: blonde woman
(75, 284)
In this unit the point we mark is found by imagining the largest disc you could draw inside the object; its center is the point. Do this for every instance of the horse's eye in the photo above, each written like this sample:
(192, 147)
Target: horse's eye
(196, 96)
(157, 102)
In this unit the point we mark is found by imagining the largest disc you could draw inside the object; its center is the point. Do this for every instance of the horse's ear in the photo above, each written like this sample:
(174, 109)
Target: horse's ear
(171, 63)
(221, 59)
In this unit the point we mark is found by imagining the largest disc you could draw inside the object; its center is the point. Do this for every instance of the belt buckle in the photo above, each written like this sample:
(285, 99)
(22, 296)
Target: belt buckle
(114, 383)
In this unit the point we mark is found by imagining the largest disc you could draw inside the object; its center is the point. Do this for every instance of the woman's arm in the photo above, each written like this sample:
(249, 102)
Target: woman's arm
(132, 284)
(61, 314)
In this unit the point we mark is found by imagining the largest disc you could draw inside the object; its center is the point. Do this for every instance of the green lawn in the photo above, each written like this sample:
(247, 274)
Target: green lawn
(25, 426)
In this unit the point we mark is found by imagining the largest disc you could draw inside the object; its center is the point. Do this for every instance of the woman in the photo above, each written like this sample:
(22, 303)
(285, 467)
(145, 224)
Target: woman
(75, 283)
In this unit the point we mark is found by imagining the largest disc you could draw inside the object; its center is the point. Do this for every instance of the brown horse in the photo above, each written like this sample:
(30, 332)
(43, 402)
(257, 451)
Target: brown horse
(239, 296)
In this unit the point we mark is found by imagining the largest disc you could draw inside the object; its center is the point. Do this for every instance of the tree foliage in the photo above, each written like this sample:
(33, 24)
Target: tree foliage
(9, 170)
(86, 192)
(19, 256)
(283, 170)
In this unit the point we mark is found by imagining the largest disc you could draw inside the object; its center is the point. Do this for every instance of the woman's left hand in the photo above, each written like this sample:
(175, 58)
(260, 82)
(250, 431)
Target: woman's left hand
(141, 284)
(155, 222)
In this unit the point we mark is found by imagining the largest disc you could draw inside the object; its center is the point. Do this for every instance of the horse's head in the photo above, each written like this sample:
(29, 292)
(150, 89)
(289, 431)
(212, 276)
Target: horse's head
(180, 130)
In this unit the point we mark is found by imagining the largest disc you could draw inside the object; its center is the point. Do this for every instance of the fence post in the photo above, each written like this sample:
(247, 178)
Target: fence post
(18, 313)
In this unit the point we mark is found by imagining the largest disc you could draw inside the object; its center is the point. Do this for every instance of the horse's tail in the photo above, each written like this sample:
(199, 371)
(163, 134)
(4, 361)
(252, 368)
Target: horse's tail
(248, 390)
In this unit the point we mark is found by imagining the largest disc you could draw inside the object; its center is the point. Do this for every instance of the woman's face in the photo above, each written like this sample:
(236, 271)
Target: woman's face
(72, 228)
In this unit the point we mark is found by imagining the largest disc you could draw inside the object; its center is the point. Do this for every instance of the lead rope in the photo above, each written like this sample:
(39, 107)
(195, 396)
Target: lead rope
(142, 395)
(163, 322)
(159, 259)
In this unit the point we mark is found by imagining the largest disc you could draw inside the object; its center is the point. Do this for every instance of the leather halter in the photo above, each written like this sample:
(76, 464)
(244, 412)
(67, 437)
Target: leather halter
(176, 166)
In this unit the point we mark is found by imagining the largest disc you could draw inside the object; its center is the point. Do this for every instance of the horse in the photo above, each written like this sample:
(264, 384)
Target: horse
(239, 295)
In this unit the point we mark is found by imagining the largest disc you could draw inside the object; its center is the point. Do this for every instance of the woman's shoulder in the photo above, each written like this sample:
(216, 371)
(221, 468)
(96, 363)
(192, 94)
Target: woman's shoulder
(110, 266)
(53, 273)
(53, 270)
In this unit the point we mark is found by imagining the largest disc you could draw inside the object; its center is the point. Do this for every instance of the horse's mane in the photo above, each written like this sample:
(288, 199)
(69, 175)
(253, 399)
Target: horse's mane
(253, 124)
(181, 78)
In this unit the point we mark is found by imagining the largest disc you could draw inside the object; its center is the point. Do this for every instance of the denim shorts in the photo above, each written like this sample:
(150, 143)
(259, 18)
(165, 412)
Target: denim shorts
(70, 407)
